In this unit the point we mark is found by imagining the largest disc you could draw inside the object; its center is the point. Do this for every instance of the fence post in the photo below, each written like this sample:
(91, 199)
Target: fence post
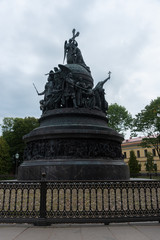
(42, 221)
(43, 192)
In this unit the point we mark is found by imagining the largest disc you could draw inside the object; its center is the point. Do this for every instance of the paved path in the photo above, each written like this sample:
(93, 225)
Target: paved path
(127, 231)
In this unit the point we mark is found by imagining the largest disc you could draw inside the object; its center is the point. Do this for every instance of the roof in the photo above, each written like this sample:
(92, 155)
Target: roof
(132, 140)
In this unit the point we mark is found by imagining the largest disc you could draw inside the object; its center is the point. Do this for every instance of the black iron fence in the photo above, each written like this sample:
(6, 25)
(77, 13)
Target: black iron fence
(47, 202)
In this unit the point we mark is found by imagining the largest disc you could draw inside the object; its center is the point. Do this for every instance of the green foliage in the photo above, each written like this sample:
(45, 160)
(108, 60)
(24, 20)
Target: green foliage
(148, 123)
(13, 130)
(150, 166)
(133, 164)
(5, 160)
(151, 142)
(119, 118)
(148, 120)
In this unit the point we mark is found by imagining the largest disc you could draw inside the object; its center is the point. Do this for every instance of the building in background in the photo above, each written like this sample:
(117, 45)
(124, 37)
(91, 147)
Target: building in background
(140, 152)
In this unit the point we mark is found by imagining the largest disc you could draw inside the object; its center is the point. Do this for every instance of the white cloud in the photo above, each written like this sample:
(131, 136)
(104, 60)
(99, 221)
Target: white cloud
(118, 35)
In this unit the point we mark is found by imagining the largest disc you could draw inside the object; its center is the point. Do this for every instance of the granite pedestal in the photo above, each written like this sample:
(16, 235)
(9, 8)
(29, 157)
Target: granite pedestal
(73, 144)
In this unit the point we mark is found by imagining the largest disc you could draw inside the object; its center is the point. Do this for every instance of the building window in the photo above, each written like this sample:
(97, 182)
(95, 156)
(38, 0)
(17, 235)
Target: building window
(153, 152)
(145, 153)
(138, 153)
(125, 155)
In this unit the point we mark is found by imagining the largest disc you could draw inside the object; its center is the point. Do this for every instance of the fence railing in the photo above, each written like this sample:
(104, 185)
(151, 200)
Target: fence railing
(47, 202)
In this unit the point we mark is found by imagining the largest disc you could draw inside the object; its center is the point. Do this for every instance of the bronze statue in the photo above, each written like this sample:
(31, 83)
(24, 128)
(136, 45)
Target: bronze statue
(69, 97)
(99, 94)
(67, 89)
(72, 51)
(47, 92)
(73, 141)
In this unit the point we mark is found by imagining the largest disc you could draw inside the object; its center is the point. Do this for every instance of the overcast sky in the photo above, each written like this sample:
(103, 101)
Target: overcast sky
(121, 36)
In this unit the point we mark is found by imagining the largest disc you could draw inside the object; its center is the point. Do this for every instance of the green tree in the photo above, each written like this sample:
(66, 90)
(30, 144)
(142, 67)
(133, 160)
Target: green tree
(13, 130)
(119, 118)
(150, 166)
(147, 122)
(133, 164)
(5, 160)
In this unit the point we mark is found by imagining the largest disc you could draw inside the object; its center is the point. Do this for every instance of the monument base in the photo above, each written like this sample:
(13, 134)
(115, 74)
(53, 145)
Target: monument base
(74, 170)
(73, 144)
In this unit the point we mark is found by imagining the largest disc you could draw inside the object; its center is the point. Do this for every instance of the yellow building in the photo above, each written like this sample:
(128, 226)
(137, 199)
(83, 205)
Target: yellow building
(133, 144)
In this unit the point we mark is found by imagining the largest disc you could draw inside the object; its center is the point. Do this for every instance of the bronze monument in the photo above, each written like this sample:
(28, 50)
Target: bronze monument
(73, 141)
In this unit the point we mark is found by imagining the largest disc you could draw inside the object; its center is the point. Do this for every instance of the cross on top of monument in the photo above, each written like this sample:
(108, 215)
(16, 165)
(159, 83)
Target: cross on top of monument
(75, 34)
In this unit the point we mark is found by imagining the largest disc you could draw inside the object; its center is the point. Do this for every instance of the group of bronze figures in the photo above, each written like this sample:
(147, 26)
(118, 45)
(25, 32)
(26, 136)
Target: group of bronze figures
(71, 149)
(64, 89)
